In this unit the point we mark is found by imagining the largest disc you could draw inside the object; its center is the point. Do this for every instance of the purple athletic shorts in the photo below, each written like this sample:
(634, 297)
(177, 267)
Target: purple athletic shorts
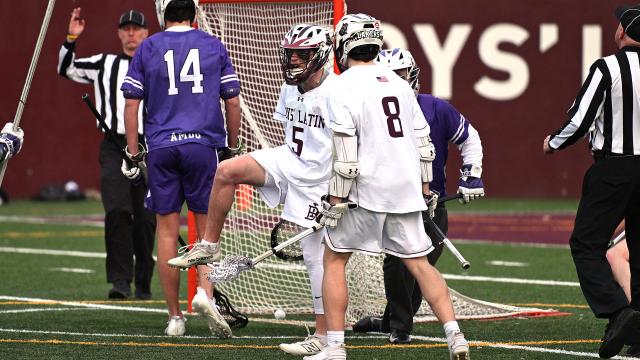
(179, 173)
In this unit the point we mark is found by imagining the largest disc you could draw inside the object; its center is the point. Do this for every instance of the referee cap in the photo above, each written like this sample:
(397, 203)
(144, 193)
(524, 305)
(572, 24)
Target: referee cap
(629, 17)
(132, 17)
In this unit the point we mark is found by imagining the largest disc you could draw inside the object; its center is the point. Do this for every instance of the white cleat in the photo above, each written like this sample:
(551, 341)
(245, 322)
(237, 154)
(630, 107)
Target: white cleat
(459, 347)
(336, 352)
(175, 326)
(309, 346)
(196, 254)
(208, 309)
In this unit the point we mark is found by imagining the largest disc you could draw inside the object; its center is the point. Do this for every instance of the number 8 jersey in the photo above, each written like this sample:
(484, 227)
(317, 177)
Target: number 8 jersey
(374, 104)
(307, 132)
(182, 73)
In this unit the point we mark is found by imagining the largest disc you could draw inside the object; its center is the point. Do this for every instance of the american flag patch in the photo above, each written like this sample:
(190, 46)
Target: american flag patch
(382, 79)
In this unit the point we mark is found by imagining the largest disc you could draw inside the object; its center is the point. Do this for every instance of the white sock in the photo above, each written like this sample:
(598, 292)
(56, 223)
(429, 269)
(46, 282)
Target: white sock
(205, 242)
(322, 338)
(451, 328)
(335, 338)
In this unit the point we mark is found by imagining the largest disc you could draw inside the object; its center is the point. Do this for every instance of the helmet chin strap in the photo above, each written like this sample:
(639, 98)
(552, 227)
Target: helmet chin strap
(311, 83)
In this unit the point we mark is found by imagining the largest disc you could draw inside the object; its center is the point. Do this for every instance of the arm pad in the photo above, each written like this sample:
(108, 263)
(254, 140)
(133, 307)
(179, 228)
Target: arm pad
(427, 155)
(345, 165)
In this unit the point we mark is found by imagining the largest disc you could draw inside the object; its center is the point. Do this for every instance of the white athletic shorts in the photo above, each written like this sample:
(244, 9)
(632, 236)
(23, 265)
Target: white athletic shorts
(301, 203)
(371, 233)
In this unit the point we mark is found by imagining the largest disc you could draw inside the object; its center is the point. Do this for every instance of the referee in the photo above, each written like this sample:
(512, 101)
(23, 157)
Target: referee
(129, 227)
(607, 107)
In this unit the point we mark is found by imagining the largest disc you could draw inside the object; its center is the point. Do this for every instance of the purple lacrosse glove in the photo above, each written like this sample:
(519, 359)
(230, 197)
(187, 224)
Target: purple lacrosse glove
(470, 184)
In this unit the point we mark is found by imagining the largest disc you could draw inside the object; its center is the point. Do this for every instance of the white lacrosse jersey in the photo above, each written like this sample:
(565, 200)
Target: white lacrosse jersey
(307, 132)
(374, 104)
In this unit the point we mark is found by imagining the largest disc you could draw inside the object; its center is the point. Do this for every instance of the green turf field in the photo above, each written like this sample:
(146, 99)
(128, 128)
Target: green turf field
(76, 321)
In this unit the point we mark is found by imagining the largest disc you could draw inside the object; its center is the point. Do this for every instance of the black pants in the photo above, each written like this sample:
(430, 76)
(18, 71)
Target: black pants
(610, 193)
(129, 227)
(402, 290)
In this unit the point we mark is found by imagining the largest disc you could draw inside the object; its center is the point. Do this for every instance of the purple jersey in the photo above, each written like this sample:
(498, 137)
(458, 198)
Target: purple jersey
(447, 125)
(182, 73)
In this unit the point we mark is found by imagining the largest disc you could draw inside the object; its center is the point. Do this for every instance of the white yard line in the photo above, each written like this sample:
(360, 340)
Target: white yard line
(85, 254)
(31, 310)
(85, 305)
(73, 270)
(507, 263)
(510, 280)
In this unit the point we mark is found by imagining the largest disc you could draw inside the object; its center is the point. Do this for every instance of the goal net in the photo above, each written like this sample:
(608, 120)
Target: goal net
(252, 32)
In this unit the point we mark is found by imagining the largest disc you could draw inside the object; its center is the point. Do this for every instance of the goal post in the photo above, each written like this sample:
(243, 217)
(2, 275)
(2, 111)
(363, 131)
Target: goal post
(252, 31)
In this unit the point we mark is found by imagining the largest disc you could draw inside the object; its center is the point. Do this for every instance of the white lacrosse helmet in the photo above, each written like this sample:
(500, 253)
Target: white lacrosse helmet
(161, 7)
(402, 63)
(355, 30)
(311, 44)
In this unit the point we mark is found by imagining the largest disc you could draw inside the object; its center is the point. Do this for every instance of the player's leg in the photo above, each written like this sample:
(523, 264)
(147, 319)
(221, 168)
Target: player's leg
(198, 164)
(404, 236)
(166, 199)
(632, 230)
(618, 258)
(313, 251)
(239, 170)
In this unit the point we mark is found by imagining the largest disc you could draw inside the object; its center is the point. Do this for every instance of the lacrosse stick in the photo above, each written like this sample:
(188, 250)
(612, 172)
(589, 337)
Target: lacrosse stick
(449, 197)
(232, 266)
(111, 137)
(282, 232)
(32, 70)
(443, 238)
(618, 238)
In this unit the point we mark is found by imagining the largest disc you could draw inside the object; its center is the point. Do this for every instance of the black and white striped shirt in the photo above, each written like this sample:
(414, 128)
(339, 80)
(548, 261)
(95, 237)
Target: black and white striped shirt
(607, 107)
(106, 72)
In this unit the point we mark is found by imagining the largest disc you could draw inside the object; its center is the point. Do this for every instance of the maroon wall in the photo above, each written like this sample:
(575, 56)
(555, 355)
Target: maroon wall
(61, 138)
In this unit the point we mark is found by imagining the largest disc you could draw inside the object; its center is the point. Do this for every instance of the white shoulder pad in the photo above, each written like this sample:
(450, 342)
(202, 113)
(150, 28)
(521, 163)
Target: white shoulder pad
(345, 165)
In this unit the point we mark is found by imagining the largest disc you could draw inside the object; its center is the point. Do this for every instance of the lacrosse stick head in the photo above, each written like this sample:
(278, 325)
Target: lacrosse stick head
(229, 268)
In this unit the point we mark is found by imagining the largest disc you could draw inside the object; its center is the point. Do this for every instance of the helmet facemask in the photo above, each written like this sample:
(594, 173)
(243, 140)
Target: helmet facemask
(410, 75)
(304, 50)
(306, 62)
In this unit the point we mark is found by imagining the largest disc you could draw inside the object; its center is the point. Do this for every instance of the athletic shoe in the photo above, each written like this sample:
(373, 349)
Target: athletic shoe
(175, 326)
(620, 330)
(208, 309)
(634, 350)
(399, 337)
(199, 254)
(336, 352)
(458, 347)
(309, 346)
(121, 290)
(368, 324)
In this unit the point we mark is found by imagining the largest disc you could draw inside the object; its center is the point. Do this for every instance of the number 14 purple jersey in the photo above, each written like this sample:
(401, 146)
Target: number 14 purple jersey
(181, 74)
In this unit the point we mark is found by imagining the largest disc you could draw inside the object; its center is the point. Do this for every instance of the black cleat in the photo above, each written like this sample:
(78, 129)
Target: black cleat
(621, 330)
(399, 337)
(368, 324)
(634, 350)
(120, 290)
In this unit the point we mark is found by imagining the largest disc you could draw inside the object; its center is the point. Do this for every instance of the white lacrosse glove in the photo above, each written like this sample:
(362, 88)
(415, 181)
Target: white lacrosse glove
(330, 214)
(132, 173)
(470, 184)
(431, 199)
(11, 139)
